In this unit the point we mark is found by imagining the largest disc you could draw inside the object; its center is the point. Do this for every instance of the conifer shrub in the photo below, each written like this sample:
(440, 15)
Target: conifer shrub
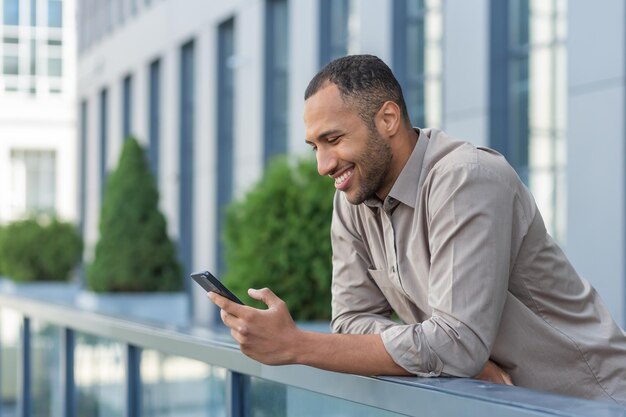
(278, 236)
(39, 249)
(134, 252)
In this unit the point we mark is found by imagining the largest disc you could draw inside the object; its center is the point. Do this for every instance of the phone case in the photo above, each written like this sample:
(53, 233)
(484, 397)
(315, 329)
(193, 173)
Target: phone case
(207, 281)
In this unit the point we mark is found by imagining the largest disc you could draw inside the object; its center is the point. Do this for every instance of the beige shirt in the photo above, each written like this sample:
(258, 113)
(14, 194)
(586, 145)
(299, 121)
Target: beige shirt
(460, 252)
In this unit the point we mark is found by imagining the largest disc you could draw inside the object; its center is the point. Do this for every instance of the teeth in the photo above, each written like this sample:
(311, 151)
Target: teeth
(343, 177)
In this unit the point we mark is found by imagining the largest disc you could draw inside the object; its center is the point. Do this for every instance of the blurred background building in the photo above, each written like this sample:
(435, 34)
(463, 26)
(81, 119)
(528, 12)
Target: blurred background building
(213, 90)
(37, 109)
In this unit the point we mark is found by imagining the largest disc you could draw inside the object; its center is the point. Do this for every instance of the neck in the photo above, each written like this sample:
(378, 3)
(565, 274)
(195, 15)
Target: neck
(402, 145)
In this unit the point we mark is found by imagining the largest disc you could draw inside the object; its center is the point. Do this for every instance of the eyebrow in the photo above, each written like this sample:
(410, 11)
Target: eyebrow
(324, 135)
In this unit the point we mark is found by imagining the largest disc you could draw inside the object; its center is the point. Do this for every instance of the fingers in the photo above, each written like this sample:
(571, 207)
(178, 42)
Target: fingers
(265, 295)
(226, 304)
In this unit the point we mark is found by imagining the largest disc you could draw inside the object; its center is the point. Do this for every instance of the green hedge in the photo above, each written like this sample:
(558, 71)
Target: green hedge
(39, 250)
(134, 252)
(278, 236)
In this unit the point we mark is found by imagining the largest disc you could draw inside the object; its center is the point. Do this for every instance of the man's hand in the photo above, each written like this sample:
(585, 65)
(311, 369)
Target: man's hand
(267, 336)
(493, 373)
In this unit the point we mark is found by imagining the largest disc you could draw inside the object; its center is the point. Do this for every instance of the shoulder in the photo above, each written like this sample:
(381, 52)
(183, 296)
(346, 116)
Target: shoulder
(462, 161)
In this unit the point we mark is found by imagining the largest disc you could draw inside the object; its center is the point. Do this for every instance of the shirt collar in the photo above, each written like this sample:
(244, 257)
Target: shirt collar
(405, 188)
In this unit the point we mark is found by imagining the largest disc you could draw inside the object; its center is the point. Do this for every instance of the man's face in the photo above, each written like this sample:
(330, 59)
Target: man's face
(356, 157)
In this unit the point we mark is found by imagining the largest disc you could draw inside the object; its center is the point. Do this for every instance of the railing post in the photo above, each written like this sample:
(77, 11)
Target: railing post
(236, 395)
(24, 392)
(133, 381)
(68, 388)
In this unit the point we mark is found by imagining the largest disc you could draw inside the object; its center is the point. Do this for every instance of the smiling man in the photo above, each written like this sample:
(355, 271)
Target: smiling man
(445, 235)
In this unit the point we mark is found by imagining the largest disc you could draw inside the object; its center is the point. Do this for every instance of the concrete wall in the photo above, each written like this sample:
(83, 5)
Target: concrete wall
(596, 156)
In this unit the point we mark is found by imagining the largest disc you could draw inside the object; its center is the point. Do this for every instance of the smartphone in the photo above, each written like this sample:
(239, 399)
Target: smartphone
(210, 283)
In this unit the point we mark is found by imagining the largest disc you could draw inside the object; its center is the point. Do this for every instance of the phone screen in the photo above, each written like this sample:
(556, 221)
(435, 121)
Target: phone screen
(207, 281)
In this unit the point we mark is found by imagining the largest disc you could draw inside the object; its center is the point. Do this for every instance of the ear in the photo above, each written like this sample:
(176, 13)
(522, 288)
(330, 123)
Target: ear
(388, 119)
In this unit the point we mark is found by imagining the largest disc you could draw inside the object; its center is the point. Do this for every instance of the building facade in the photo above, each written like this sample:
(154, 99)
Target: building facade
(214, 90)
(37, 109)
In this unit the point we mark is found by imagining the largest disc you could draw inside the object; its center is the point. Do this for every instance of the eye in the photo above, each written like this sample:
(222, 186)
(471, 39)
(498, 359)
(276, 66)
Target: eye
(333, 140)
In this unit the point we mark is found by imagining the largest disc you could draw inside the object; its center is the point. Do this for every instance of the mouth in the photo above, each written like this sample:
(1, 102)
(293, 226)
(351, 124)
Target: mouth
(342, 180)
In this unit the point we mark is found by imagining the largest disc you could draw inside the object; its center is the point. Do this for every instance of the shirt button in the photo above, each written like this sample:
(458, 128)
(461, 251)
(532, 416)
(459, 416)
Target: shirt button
(393, 269)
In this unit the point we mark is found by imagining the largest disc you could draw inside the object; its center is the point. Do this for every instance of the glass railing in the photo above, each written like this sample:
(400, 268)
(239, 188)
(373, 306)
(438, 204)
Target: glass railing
(61, 360)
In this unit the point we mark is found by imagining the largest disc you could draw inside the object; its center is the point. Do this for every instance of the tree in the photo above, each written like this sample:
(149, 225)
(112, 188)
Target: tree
(134, 253)
(278, 236)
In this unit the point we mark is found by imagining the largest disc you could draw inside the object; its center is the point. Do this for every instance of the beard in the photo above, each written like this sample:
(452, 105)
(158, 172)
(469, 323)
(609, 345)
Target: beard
(374, 163)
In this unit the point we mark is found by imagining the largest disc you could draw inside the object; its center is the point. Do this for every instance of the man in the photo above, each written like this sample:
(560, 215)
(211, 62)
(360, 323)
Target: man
(445, 235)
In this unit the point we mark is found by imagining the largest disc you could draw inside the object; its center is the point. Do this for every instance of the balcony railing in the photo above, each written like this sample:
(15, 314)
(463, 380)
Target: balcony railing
(60, 360)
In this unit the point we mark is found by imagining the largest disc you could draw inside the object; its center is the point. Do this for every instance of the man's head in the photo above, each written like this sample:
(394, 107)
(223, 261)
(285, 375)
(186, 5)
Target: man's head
(356, 121)
(364, 81)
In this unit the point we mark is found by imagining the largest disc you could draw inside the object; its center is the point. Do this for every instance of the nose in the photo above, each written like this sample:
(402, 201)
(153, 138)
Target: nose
(326, 161)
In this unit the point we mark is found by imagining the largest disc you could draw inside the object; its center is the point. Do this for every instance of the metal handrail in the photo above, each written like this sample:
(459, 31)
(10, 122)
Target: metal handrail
(404, 395)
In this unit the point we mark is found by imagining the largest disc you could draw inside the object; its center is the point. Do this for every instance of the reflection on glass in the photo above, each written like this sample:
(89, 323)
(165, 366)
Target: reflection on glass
(267, 398)
(46, 371)
(55, 13)
(176, 386)
(100, 376)
(10, 328)
(418, 31)
(12, 12)
(538, 30)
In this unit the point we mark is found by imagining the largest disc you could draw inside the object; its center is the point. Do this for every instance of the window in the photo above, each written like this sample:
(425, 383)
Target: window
(276, 78)
(154, 115)
(83, 167)
(417, 58)
(12, 12)
(11, 65)
(187, 121)
(55, 13)
(127, 107)
(225, 127)
(33, 57)
(33, 177)
(334, 33)
(103, 140)
(528, 99)
(55, 67)
(33, 12)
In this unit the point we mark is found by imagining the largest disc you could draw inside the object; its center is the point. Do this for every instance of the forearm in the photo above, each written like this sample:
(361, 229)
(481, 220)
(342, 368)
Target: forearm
(349, 353)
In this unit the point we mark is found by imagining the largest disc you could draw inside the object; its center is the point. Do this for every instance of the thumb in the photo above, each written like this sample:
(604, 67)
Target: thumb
(265, 295)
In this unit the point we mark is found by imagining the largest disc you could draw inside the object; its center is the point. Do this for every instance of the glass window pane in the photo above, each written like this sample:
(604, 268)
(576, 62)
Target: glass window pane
(272, 399)
(10, 328)
(33, 12)
(33, 57)
(55, 67)
(55, 13)
(11, 12)
(46, 370)
(11, 65)
(33, 181)
(173, 386)
(100, 376)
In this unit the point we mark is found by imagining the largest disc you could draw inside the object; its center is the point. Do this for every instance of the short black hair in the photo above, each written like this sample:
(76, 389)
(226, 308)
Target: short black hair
(364, 81)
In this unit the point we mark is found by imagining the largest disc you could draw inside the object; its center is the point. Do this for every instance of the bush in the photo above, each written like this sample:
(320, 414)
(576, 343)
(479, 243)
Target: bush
(278, 236)
(38, 250)
(134, 253)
